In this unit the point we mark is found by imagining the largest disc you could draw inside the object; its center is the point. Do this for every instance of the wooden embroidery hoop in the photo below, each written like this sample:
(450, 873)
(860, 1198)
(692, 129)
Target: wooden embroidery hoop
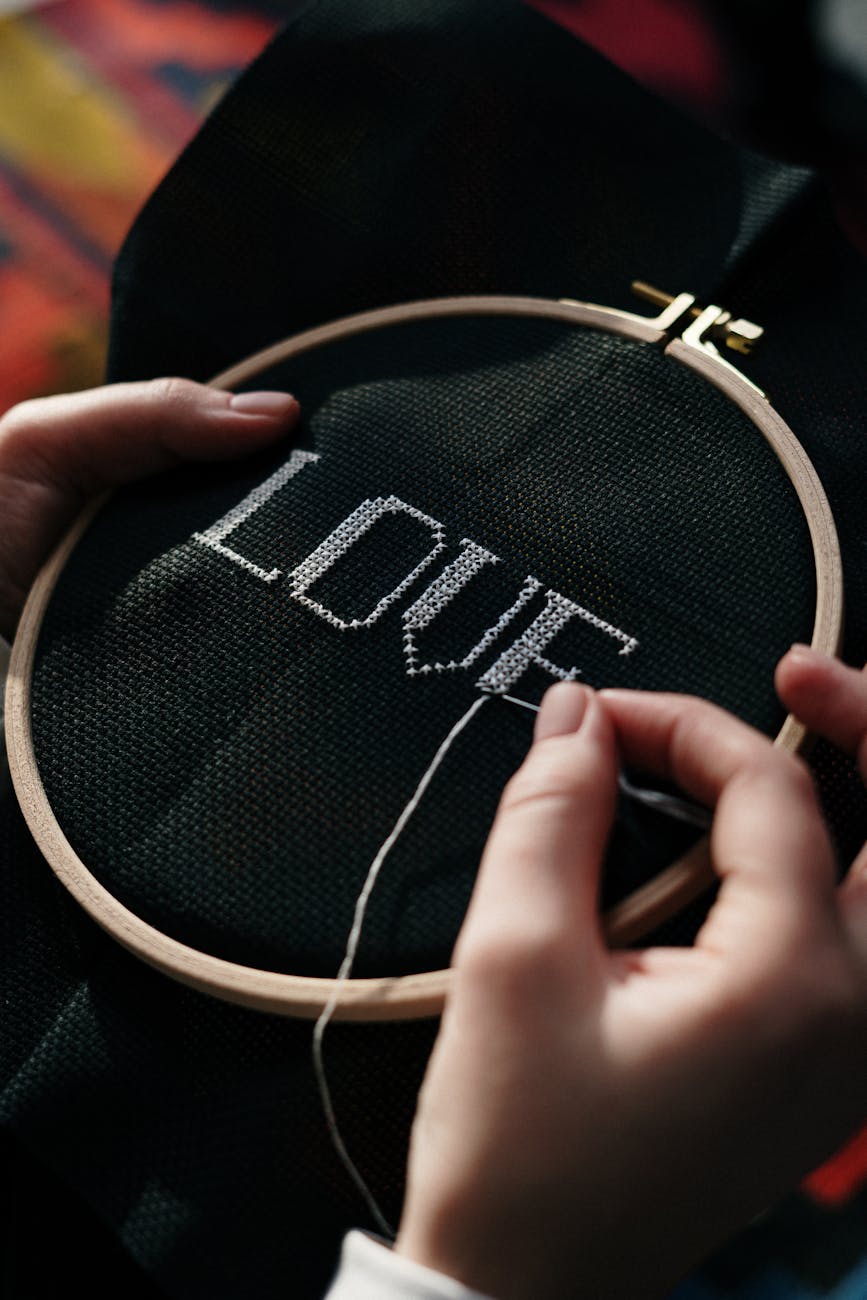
(411, 996)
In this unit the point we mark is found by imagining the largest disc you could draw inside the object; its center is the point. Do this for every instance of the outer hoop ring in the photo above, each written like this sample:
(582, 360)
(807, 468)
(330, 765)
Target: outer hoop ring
(409, 996)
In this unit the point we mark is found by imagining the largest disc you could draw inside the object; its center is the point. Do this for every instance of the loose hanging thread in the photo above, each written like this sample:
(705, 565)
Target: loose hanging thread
(346, 965)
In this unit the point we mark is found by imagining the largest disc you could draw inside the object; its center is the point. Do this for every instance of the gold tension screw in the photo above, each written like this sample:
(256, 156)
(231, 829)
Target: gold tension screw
(739, 335)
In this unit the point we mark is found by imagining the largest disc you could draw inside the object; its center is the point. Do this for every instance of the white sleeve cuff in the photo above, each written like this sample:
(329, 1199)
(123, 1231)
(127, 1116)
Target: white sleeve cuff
(370, 1271)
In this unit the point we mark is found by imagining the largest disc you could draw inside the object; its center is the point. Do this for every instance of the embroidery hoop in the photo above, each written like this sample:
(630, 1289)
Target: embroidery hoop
(420, 995)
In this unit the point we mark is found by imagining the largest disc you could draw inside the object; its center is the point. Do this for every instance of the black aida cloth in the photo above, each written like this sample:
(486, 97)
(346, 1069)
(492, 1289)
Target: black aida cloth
(378, 153)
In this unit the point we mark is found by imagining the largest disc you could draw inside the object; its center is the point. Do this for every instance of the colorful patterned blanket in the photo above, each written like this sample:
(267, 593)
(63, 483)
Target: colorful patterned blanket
(96, 99)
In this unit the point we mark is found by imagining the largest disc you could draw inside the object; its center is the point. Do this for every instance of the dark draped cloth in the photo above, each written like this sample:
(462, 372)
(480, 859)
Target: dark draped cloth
(379, 152)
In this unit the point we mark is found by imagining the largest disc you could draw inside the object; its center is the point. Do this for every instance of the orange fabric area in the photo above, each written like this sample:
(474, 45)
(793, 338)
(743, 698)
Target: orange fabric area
(97, 97)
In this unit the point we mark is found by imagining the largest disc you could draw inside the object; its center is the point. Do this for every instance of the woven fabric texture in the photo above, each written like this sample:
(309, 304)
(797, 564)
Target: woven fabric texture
(228, 753)
(379, 153)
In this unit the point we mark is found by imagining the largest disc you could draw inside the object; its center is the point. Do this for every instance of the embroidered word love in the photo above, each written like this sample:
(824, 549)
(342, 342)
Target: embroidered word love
(511, 664)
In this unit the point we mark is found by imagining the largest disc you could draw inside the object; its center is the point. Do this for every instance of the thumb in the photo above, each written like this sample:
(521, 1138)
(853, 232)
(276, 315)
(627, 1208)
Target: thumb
(57, 451)
(85, 442)
(534, 911)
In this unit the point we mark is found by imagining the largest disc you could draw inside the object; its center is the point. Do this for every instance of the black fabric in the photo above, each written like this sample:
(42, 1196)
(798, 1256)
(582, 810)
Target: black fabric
(192, 1127)
(813, 369)
(381, 152)
(32, 1199)
(376, 153)
(190, 715)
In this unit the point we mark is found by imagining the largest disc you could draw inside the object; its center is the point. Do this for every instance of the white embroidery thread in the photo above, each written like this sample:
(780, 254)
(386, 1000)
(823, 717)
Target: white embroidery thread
(531, 586)
(213, 537)
(527, 649)
(511, 664)
(349, 959)
(338, 542)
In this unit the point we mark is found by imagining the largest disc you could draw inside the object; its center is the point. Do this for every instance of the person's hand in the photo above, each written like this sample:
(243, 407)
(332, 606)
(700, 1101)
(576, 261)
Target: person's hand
(594, 1123)
(831, 700)
(55, 452)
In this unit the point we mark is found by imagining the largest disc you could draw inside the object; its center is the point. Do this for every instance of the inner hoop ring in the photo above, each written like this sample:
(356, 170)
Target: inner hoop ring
(408, 996)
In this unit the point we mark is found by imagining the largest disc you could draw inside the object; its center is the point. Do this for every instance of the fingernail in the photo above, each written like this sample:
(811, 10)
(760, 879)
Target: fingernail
(591, 709)
(858, 870)
(805, 653)
(263, 403)
(562, 710)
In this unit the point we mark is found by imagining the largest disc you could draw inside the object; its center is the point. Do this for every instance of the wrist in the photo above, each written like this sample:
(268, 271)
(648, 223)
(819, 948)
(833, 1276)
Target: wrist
(452, 1245)
(370, 1270)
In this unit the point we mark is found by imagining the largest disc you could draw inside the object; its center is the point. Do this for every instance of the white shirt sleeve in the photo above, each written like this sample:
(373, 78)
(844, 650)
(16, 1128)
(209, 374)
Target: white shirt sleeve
(369, 1270)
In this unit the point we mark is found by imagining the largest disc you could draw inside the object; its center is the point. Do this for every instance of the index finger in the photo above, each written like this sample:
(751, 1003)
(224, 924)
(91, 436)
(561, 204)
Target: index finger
(683, 739)
(769, 844)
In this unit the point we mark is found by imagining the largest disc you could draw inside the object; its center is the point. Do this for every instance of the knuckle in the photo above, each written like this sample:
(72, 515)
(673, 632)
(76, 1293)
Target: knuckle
(785, 774)
(173, 391)
(19, 422)
(800, 777)
(701, 727)
(791, 768)
(698, 724)
(803, 1008)
(547, 773)
(519, 789)
(524, 963)
(25, 441)
(693, 726)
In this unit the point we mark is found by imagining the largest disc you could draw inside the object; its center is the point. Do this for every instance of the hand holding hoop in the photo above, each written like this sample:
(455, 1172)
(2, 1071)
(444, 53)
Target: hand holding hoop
(56, 452)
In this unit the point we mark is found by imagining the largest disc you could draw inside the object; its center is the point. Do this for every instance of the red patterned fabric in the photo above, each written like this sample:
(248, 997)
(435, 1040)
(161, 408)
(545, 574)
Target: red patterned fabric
(96, 99)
